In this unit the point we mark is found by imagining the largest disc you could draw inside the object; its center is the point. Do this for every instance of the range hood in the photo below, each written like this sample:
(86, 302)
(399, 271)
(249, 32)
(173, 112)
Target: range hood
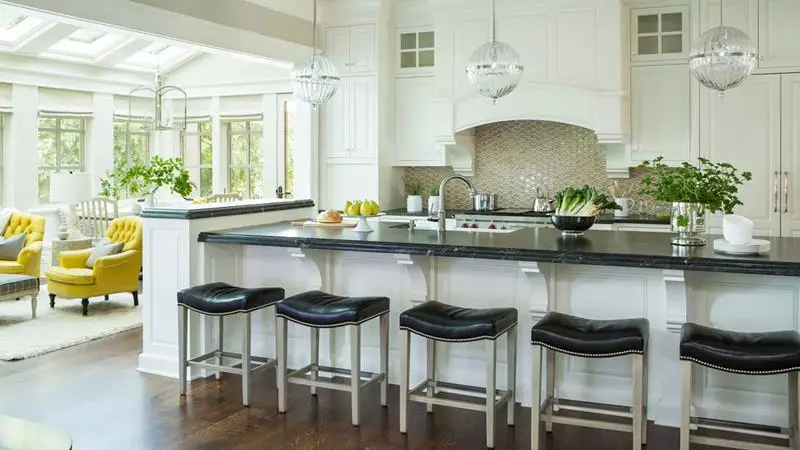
(572, 52)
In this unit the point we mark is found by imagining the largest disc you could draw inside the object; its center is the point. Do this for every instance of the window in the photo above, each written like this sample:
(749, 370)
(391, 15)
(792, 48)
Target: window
(416, 49)
(245, 158)
(287, 145)
(61, 147)
(2, 148)
(196, 153)
(131, 143)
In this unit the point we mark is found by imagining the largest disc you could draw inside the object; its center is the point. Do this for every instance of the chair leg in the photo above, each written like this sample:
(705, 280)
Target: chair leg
(34, 305)
(105, 297)
(246, 360)
(431, 367)
(355, 374)
(536, 394)
(52, 300)
(314, 350)
(220, 344)
(638, 381)
(384, 329)
(491, 390)
(85, 306)
(550, 381)
(135, 298)
(794, 414)
(280, 327)
(511, 364)
(405, 353)
(686, 403)
(183, 318)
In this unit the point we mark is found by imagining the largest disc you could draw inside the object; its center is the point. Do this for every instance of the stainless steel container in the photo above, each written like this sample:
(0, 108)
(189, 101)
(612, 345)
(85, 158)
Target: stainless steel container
(689, 221)
(484, 202)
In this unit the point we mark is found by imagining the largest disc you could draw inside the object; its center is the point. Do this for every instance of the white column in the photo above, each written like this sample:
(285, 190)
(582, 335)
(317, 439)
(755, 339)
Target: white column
(100, 143)
(269, 144)
(21, 156)
(219, 159)
(306, 156)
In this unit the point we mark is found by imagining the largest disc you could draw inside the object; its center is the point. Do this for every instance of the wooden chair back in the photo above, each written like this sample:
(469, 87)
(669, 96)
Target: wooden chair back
(95, 215)
(225, 198)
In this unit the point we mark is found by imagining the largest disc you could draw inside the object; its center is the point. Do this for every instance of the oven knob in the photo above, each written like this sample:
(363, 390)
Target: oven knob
(463, 225)
(474, 226)
(492, 226)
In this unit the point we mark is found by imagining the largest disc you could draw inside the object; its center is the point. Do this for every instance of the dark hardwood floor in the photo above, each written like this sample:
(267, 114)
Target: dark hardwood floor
(94, 393)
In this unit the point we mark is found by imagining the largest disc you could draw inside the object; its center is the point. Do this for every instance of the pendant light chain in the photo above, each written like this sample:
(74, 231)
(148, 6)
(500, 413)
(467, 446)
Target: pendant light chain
(494, 22)
(721, 22)
(314, 31)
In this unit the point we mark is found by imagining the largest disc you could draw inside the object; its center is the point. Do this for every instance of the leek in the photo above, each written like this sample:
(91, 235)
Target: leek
(583, 202)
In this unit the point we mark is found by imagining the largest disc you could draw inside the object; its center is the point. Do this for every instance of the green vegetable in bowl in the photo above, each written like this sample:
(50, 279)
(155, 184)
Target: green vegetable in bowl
(583, 202)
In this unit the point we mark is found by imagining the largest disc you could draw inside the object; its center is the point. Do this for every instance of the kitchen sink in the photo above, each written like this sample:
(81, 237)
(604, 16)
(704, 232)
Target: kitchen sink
(433, 226)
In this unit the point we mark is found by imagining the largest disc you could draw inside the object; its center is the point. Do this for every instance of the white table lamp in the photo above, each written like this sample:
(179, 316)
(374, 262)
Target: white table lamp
(69, 188)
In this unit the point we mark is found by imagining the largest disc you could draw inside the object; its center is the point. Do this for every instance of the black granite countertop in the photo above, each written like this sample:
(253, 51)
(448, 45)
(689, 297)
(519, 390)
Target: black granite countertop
(189, 211)
(632, 219)
(608, 248)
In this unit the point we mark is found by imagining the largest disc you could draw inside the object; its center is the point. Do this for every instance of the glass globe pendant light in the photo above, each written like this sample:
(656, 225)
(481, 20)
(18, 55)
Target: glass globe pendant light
(722, 57)
(494, 68)
(315, 79)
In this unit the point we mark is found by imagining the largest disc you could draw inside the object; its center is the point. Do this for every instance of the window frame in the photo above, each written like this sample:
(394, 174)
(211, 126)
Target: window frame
(183, 151)
(127, 121)
(248, 132)
(416, 31)
(57, 131)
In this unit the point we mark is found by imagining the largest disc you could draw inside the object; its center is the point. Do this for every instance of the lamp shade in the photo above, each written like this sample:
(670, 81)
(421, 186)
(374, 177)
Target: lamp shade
(70, 187)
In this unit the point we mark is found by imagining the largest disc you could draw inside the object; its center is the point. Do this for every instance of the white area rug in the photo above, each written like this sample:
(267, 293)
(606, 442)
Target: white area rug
(22, 337)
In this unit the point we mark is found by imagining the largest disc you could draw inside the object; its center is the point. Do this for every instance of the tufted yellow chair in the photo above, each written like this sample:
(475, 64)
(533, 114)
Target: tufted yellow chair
(111, 274)
(28, 260)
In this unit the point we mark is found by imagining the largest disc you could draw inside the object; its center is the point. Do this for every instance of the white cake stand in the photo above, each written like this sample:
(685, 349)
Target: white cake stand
(363, 226)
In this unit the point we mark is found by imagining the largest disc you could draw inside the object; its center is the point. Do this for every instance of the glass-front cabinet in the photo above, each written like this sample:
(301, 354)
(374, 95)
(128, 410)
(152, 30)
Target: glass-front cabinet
(415, 50)
(660, 34)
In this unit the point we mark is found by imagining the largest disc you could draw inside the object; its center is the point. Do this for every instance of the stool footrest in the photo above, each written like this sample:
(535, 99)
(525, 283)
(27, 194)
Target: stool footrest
(299, 377)
(417, 394)
(591, 408)
(257, 362)
(728, 443)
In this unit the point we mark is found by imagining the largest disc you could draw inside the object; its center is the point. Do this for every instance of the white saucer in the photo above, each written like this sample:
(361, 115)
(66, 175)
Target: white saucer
(754, 247)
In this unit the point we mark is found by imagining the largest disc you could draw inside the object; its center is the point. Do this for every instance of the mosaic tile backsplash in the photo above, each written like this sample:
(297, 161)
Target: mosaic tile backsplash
(513, 158)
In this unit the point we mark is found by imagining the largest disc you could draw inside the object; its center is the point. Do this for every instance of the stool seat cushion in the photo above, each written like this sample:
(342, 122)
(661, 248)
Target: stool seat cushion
(222, 298)
(748, 353)
(320, 309)
(443, 322)
(590, 338)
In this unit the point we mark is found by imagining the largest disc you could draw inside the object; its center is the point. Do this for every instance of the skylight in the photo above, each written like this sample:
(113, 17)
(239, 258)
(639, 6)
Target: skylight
(86, 43)
(157, 55)
(156, 48)
(9, 20)
(86, 36)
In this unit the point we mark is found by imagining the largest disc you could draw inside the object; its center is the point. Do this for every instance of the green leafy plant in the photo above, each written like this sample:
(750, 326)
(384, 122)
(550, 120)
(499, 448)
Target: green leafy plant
(583, 202)
(434, 191)
(713, 185)
(146, 179)
(414, 188)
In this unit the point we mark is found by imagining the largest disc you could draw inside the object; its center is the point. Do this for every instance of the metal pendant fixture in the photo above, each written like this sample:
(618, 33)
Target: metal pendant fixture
(158, 122)
(494, 68)
(315, 80)
(722, 57)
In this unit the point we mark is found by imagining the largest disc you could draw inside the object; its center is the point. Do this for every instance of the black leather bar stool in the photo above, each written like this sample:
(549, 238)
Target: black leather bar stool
(440, 322)
(221, 299)
(317, 309)
(576, 336)
(767, 353)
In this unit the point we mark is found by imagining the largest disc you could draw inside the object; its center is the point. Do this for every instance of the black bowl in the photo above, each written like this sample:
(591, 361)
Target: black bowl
(572, 224)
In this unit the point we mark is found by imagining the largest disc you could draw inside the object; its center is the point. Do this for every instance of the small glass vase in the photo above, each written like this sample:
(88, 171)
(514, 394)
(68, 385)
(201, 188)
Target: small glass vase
(689, 221)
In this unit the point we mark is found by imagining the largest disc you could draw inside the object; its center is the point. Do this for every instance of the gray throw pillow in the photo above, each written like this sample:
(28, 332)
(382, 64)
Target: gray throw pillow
(10, 248)
(103, 249)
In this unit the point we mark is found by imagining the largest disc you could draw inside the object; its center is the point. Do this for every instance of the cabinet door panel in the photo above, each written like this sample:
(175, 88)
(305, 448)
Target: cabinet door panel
(660, 113)
(742, 14)
(778, 43)
(362, 49)
(337, 43)
(361, 116)
(334, 132)
(743, 128)
(414, 121)
(790, 155)
(350, 182)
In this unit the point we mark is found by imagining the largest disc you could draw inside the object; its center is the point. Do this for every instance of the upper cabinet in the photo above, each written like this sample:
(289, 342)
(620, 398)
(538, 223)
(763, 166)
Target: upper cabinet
(741, 14)
(415, 51)
(351, 48)
(660, 34)
(349, 118)
(778, 45)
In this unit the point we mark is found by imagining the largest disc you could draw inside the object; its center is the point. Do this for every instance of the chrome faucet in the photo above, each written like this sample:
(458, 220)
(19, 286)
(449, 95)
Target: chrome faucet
(442, 213)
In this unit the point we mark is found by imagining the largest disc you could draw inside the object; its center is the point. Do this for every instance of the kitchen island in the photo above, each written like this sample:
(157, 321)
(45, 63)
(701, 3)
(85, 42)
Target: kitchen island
(606, 274)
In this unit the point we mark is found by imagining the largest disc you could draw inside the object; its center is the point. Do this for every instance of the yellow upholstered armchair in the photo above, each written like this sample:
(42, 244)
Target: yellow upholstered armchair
(110, 274)
(29, 258)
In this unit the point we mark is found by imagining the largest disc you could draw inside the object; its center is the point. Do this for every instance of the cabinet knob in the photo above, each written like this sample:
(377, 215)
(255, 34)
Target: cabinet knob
(762, 58)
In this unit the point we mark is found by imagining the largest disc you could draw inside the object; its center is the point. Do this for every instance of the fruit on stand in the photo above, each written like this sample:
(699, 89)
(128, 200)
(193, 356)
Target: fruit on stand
(362, 208)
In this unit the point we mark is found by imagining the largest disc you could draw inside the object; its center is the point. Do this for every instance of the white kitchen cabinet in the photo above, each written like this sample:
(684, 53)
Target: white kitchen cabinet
(744, 128)
(790, 155)
(348, 181)
(649, 227)
(414, 122)
(349, 119)
(659, 34)
(778, 45)
(660, 113)
(351, 48)
(415, 50)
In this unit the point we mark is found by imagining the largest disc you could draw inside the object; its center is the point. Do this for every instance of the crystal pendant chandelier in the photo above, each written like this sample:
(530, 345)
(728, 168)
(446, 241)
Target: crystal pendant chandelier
(315, 80)
(722, 57)
(494, 68)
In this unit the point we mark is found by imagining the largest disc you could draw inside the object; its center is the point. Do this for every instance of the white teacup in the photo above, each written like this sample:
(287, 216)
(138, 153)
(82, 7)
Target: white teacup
(737, 229)
(626, 204)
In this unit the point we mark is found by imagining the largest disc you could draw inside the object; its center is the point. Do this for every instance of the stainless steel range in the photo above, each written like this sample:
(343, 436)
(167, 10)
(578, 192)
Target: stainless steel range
(505, 218)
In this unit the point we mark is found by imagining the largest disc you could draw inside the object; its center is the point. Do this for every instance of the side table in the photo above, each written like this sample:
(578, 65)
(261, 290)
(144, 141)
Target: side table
(69, 244)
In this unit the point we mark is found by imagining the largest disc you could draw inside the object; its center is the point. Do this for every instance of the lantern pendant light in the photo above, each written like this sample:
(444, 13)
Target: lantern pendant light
(315, 79)
(722, 57)
(494, 68)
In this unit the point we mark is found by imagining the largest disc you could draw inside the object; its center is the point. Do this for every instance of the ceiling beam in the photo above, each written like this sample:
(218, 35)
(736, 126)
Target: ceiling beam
(123, 51)
(45, 39)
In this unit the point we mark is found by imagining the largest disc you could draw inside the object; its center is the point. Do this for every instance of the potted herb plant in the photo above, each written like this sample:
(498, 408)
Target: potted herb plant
(145, 179)
(433, 201)
(693, 190)
(414, 200)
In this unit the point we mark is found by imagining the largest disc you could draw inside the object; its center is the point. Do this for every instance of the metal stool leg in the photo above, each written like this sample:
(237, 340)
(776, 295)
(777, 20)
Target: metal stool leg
(280, 329)
(314, 338)
(686, 403)
(246, 372)
(431, 366)
(405, 354)
(536, 394)
(511, 364)
(220, 334)
(355, 373)
(550, 381)
(491, 390)
(794, 440)
(638, 381)
(384, 326)
(183, 319)
(645, 388)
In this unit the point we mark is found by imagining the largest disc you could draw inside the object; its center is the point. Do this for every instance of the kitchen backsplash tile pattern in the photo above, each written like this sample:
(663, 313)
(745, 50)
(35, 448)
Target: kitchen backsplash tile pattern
(513, 158)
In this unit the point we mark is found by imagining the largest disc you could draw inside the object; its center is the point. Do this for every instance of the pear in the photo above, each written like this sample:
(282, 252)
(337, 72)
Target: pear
(376, 208)
(366, 209)
(354, 209)
(347, 206)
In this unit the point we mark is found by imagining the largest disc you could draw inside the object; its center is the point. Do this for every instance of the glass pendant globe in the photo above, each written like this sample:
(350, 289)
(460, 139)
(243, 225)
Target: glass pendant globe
(315, 80)
(722, 58)
(494, 69)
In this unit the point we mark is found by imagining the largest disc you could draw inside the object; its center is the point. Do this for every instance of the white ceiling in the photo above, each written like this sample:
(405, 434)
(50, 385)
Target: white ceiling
(303, 9)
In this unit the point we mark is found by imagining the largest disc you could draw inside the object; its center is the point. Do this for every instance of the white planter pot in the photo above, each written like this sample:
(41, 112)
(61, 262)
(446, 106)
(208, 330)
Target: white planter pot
(414, 203)
(433, 204)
